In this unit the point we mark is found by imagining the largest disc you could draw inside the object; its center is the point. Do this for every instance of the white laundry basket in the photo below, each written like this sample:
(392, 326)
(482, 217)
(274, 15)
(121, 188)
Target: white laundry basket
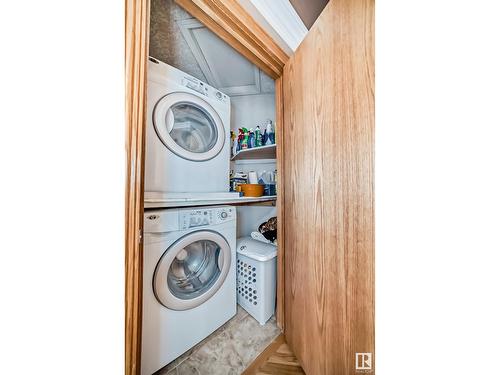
(256, 277)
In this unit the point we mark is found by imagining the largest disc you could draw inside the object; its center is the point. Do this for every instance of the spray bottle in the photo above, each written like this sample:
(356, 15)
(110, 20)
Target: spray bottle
(240, 138)
(244, 142)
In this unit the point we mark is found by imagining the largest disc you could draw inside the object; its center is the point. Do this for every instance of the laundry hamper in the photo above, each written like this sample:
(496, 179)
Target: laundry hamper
(256, 277)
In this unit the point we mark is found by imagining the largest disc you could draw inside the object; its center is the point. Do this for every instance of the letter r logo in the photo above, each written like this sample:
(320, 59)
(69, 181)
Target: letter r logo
(363, 361)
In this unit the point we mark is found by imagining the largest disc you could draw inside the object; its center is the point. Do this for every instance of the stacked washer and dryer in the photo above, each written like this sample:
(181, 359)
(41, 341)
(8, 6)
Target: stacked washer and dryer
(189, 277)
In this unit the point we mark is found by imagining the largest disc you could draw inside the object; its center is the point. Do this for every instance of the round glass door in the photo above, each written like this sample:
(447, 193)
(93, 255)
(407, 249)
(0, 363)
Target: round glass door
(192, 270)
(188, 126)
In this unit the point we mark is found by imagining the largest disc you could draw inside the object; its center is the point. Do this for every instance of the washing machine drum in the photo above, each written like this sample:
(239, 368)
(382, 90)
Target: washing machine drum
(188, 126)
(192, 270)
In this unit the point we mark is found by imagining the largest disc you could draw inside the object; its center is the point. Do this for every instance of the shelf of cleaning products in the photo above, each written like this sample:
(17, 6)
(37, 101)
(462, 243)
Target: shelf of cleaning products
(263, 152)
(158, 203)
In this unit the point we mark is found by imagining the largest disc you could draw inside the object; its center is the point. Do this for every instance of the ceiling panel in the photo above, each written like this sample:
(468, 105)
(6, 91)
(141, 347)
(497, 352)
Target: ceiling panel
(222, 65)
(221, 60)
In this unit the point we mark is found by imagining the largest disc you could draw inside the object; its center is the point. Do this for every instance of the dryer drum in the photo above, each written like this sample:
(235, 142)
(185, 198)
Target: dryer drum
(188, 126)
(192, 270)
(191, 127)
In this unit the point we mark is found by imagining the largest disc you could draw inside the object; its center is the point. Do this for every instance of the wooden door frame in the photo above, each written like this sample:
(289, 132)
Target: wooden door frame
(233, 24)
(136, 53)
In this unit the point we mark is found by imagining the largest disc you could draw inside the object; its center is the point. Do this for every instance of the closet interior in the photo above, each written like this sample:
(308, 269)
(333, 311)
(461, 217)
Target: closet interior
(210, 221)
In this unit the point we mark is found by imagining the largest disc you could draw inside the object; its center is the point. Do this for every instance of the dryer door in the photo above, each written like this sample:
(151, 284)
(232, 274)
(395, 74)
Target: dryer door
(188, 126)
(192, 270)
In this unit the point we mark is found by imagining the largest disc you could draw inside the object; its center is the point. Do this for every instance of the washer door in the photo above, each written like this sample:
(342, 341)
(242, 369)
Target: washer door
(192, 270)
(188, 126)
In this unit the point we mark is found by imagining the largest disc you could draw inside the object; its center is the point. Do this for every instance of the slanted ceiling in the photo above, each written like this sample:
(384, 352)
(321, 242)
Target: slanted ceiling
(309, 10)
(183, 42)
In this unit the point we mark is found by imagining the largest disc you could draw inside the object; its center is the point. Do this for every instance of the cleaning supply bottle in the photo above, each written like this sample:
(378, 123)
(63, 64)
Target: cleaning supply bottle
(258, 139)
(234, 143)
(231, 138)
(251, 139)
(241, 136)
(265, 137)
(244, 142)
(270, 133)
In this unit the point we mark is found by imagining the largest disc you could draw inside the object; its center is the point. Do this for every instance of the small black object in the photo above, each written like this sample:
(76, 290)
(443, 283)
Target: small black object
(269, 229)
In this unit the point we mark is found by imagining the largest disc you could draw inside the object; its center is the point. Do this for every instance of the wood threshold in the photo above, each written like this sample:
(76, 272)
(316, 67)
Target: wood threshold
(262, 357)
(276, 359)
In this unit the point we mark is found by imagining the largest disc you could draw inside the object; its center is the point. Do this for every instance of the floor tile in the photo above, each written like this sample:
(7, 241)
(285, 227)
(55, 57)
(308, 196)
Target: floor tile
(228, 351)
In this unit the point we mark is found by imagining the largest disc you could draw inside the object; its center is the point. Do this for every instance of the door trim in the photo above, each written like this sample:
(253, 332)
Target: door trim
(280, 207)
(136, 54)
(234, 25)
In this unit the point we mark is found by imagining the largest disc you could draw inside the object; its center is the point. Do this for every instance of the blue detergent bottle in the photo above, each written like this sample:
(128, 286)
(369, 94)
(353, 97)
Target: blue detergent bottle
(251, 139)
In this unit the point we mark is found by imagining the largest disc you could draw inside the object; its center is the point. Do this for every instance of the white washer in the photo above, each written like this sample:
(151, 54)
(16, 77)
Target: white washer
(189, 279)
(187, 137)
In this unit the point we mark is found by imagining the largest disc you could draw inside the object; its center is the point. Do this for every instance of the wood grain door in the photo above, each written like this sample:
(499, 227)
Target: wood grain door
(328, 92)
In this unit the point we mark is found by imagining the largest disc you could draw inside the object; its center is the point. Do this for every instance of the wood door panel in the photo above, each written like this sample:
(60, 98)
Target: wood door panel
(328, 89)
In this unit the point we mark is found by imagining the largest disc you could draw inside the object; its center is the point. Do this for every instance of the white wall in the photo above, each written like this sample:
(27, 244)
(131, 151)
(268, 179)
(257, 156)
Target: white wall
(259, 165)
(250, 217)
(252, 110)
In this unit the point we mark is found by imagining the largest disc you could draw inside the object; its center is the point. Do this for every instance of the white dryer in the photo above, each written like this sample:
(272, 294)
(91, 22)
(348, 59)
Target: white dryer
(187, 137)
(189, 279)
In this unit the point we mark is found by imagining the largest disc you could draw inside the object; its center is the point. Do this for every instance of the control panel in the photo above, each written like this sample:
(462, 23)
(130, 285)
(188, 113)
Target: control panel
(205, 216)
(195, 85)
(204, 89)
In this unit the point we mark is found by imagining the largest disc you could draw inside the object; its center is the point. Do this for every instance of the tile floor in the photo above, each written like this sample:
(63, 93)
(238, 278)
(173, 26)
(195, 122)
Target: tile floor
(227, 351)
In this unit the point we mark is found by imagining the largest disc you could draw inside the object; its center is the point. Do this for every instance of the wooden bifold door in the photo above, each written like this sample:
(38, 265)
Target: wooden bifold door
(328, 102)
